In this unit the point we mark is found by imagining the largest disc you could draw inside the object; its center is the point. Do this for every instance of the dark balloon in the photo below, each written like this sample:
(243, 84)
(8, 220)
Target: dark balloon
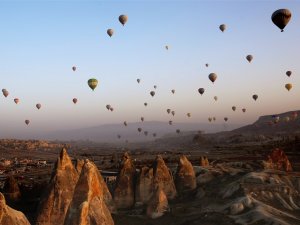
(281, 18)
(139, 129)
(38, 106)
(152, 93)
(177, 131)
(168, 111)
(173, 91)
(110, 32)
(222, 27)
(108, 107)
(138, 80)
(226, 119)
(244, 110)
(233, 108)
(142, 119)
(16, 100)
(123, 19)
(249, 58)
(288, 73)
(145, 104)
(75, 100)
(212, 77)
(255, 97)
(74, 68)
(201, 91)
(125, 123)
(170, 122)
(27, 122)
(173, 113)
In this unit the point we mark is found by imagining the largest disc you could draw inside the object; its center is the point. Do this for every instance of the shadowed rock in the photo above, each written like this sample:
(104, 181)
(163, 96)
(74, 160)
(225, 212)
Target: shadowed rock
(144, 187)
(9, 216)
(11, 190)
(88, 206)
(185, 179)
(163, 178)
(79, 165)
(124, 191)
(54, 204)
(278, 160)
(158, 204)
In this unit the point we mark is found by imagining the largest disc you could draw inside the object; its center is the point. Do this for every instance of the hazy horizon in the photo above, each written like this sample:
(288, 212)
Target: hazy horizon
(41, 41)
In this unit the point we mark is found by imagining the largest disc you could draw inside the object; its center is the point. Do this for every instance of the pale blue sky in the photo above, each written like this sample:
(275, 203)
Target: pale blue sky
(40, 41)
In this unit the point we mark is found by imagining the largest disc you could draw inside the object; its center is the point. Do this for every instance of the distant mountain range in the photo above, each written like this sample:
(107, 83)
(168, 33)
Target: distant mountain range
(285, 123)
(110, 132)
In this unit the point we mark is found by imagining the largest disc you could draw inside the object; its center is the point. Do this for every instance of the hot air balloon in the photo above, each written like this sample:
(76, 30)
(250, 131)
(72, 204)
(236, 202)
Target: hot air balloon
(155, 86)
(16, 100)
(288, 86)
(93, 83)
(216, 98)
(249, 58)
(167, 47)
(110, 32)
(288, 73)
(222, 27)
(201, 91)
(74, 68)
(142, 119)
(168, 111)
(173, 113)
(125, 123)
(206, 64)
(188, 114)
(138, 80)
(27, 122)
(154, 134)
(244, 110)
(212, 77)
(152, 93)
(209, 119)
(119, 136)
(214, 118)
(173, 91)
(170, 122)
(255, 97)
(281, 18)
(139, 129)
(5, 93)
(146, 133)
(38, 106)
(108, 107)
(233, 108)
(145, 104)
(178, 131)
(225, 119)
(74, 100)
(123, 19)
(111, 109)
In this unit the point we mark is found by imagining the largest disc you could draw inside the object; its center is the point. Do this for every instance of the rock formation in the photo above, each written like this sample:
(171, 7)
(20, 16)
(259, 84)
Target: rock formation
(278, 160)
(79, 165)
(144, 186)
(9, 216)
(162, 177)
(204, 161)
(124, 191)
(54, 204)
(11, 190)
(185, 178)
(88, 206)
(158, 204)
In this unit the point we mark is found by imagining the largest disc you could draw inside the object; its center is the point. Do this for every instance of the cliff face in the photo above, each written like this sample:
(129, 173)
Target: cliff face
(9, 216)
(185, 178)
(124, 191)
(88, 206)
(54, 204)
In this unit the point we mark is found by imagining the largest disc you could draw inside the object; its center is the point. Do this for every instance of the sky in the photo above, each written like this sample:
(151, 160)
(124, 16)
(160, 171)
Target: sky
(40, 41)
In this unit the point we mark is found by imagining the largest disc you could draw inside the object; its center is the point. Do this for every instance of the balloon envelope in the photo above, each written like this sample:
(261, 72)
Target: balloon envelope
(212, 77)
(201, 91)
(27, 122)
(93, 83)
(38, 106)
(74, 100)
(110, 32)
(281, 18)
(123, 19)
(288, 86)
(249, 58)
(16, 100)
